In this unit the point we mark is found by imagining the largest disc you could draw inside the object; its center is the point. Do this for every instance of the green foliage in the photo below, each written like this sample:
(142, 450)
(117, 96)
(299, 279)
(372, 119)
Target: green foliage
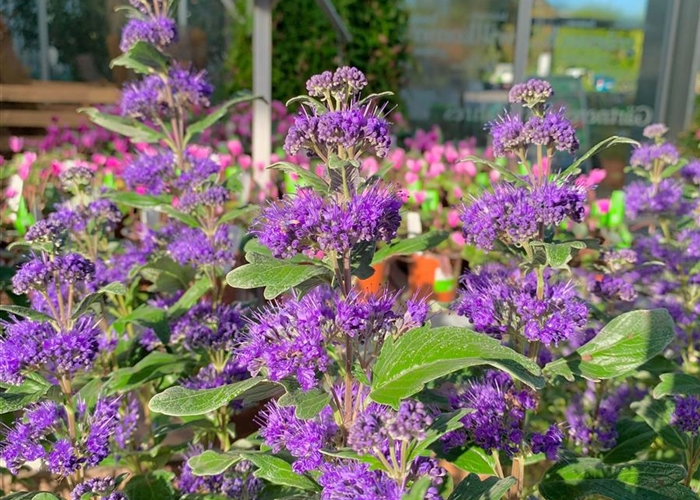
(587, 477)
(423, 354)
(624, 344)
(304, 44)
(156, 485)
(473, 488)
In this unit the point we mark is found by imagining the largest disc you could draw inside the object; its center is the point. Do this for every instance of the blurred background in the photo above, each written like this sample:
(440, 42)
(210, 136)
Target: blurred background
(616, 65)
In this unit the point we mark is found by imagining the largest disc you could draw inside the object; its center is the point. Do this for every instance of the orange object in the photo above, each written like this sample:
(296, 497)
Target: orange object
(421, 279)
(373, 284)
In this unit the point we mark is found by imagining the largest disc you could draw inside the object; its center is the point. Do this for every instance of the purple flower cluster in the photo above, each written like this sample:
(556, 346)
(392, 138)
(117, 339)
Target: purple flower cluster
(212, 198)
(499, 301)
(613, 288)
(158, 31)
(237, 482)
(598, 432)
(354, 129)
(344, 83)
(32, 438)
(686, 415)
(647, 155)
(553, 130)
(497, 414)
(530, 93)
(40, 272)
(655, 131)
(103, 487)
(691, 172)
(376, 428)
(513, 214)
(352, 480)
(149, 173)
(150, 98)
(663, 200)
(288, 340)
(304, 439)
(548, 443)
(210, 376)
(49, 230)
(207, 328)
(27, 345)
(76, 177)
(307, 223)
(190, 246)
(128, 420)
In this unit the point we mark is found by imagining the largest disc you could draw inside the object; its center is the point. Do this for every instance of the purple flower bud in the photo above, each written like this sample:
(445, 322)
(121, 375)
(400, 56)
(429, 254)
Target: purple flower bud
(686, 416)
(530, 93)
(655, 131)
(548, 443)
(157, 31)
(508, 133)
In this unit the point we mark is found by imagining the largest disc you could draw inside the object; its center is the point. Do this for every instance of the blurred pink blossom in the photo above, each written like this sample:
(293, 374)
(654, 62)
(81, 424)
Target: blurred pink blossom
(458, 238)
(16, 144)
(603, 205)
(25, 165)
(419, 197)
(235, 147)
(453, 218)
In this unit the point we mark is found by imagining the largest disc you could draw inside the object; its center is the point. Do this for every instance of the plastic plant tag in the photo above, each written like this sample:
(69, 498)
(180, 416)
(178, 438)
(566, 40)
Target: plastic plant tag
(24, 218)
(616, 215)
(413, 224)
(108, 180)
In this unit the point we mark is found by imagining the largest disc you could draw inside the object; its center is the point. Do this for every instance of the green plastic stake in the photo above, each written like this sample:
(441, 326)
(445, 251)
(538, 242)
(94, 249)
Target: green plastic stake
(616, 215)
(24, 218)
(108, 180)
(442, 286)
(431, 202)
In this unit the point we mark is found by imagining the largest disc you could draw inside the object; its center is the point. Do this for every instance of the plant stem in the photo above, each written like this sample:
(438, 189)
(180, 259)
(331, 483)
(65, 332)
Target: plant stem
(518, 472)
(497, 461)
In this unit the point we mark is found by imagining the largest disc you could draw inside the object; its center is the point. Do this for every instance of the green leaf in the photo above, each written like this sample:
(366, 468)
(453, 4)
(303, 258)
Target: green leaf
(677, 383)
(211, 463)
(18, 397)
(349, 454)
(124, 126)
(143, 58)
(307, 176)
(307, 404)
(152, 367)
(373, 97)
(470, 459)
(277, 276)
(625, 343)
(156, 485)
(114, 288)
(585, 477)
(148, 317)
(173, 212)
(136, 200)
(236, 213)
(182, 402)
(502, 169)
(418, 489)
(216, 115)
(443, 424)
(26, 312)
(491, 488)
(31, 495)
(423, 354)
(559, 255)
(575, 167)
(408, 246)
(657, 414)
(190, 297)
(632, 438)
(304, 99)
(278, 471)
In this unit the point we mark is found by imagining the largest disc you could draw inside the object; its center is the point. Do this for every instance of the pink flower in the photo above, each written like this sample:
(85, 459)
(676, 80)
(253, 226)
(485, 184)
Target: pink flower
(121, 145)
(411, 177)
(458, 238)
(466, 167)
(235, 147)
(56, 167)
(25, 165)
(603, 205)
(224, 160)
(494, 175)
(597, 175)
(453, 218)
(140, 189)
(451, 154)
(16, 144)
(414, 165)
(419, 197)
(10, 193)
(199, 152)
(99, 158)
(245, 161)
(436, 169)
(457, 191)
(370, 165)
